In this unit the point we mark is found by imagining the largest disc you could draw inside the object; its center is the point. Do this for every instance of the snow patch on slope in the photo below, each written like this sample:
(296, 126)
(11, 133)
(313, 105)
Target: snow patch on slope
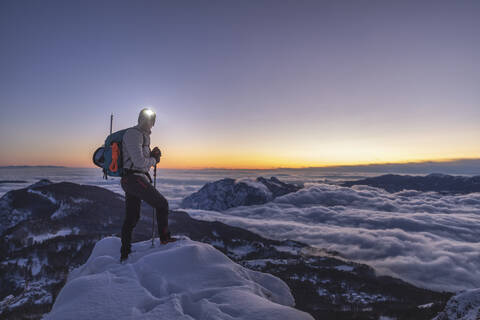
(182, 280)
(10, 217)
(46, 195)
(256, 185)
(60, 233)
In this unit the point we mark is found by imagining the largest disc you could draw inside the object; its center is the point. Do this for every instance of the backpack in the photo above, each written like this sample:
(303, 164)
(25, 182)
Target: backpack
(110, 156)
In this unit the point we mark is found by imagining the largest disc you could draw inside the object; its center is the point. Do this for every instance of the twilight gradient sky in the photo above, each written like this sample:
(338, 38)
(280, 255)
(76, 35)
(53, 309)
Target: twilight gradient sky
(242, 84)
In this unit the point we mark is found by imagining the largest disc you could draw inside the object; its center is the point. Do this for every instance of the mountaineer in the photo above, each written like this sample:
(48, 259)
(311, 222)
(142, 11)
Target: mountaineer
(136, 181)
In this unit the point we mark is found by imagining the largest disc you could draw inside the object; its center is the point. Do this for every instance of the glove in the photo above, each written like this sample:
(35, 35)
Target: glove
(156, 153)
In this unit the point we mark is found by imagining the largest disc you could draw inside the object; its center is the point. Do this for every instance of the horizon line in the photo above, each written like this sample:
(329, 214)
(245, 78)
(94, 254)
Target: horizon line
(410, 162)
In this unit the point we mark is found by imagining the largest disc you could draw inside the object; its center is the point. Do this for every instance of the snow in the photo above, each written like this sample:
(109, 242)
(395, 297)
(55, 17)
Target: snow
(242, 251)
(81, 200)
(44, 195)
(46, 236)
(18, 302)
(227, 193)
(344, 268)
(322, 292)
(7, 301)
(35, 292)
(63, 210)
(363, 297)
(45, 299)
(182, 280)
(256, 185)
(21, 262)
(66, 208)
(36, 266)
(287, 249)
(9, 219)
(425, 306)
(255, 263)
(465, 305)
(218, 243)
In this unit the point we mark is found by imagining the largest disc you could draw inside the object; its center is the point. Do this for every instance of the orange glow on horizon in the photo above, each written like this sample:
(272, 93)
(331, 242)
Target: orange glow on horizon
(271, 155)
(249, 165)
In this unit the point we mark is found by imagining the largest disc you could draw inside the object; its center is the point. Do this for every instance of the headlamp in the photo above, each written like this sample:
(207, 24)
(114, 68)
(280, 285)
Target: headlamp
(150, 114)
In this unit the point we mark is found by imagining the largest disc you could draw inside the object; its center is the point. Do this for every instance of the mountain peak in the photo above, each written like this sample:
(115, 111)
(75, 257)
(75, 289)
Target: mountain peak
(181, 280)
(228, 193)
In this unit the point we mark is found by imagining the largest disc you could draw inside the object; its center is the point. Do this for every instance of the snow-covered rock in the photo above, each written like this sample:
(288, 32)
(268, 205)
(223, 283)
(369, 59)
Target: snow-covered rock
(463, 306)
(227, 193)
(181, 280)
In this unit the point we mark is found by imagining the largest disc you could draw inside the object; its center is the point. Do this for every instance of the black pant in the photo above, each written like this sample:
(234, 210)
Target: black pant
(137, 188)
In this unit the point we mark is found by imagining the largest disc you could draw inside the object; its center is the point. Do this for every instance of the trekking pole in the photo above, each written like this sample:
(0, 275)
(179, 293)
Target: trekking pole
(153, 217)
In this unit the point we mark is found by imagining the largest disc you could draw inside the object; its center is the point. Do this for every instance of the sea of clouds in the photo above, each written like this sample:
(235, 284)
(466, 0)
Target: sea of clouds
(428, 239)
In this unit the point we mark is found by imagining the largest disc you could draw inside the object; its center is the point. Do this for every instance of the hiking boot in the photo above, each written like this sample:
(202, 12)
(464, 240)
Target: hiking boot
(165, 237)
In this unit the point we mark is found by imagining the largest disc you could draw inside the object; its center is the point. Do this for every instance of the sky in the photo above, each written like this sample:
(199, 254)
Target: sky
(242, 84)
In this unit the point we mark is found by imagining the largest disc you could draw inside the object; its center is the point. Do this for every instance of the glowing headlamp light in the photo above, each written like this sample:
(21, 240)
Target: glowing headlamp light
(149, 112)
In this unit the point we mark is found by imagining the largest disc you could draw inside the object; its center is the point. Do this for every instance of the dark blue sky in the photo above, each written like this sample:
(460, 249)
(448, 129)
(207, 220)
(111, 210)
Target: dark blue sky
(242, 83)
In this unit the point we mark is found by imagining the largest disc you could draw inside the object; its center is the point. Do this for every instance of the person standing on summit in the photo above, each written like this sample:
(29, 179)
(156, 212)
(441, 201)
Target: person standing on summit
(137, 161)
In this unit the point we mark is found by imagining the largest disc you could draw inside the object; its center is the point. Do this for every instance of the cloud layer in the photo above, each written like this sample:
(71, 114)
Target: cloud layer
(428, 239)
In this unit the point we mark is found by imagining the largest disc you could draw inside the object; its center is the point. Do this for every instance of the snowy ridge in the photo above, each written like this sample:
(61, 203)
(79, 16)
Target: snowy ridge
(183, 280)
(463, 306)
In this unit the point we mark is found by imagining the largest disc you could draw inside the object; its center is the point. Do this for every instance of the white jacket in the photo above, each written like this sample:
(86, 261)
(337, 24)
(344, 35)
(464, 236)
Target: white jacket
(136, 149)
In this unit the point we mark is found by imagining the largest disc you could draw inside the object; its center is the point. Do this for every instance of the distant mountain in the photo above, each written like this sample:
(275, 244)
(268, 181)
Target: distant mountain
(12, 181)
(459, 166)
(433, 182)
(49, 229)
(227, 193)
(19, 167)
